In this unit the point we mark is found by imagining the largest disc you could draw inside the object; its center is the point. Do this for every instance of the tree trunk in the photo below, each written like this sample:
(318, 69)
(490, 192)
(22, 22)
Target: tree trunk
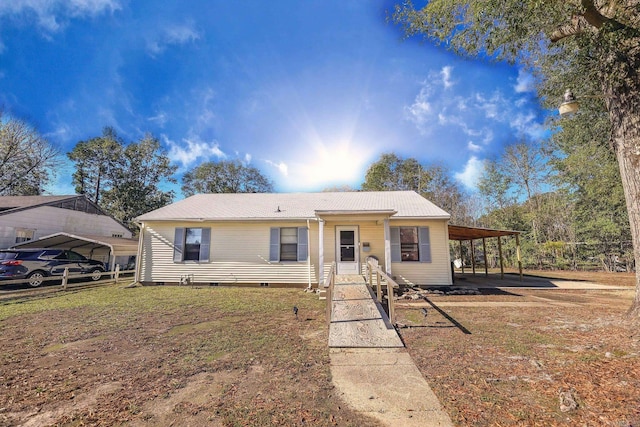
(625, 120)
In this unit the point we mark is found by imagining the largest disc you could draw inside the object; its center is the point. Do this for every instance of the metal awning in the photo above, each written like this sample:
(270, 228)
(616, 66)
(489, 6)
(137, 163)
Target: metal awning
(459, 232)
(116, 246)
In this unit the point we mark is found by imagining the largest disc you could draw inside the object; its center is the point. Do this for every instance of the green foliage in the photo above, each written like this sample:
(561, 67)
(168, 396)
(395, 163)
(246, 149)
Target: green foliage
(225, 177)
(590, 47)
(95, 161)
(124, 179)
(392, 173)
(26, 159)
(135, 181)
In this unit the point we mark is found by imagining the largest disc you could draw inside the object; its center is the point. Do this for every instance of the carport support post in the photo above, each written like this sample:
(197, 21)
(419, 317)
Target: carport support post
(518, 255)
(461, 258)
(473, 257)
(500, 254)
(484, 251)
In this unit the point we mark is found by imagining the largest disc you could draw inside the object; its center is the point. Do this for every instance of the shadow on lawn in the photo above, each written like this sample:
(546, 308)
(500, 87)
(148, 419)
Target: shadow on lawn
(446, 315)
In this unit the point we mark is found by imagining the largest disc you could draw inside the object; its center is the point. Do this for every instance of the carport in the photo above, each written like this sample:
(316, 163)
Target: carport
(110, 250)
(461, 234)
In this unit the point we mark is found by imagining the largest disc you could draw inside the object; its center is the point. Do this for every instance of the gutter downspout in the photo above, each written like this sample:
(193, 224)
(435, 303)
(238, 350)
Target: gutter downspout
(136, 277)
(309, 255)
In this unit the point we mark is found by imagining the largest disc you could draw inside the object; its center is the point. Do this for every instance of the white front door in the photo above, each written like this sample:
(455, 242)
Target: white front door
(347, 250)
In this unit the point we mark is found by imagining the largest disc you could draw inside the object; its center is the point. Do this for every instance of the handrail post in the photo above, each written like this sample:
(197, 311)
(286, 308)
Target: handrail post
(65, 277)
(392, 315)
(329, 284)
(379, 285)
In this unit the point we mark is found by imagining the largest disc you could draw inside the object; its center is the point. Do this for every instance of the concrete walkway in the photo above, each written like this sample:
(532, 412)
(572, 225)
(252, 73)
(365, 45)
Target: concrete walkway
(376, 377)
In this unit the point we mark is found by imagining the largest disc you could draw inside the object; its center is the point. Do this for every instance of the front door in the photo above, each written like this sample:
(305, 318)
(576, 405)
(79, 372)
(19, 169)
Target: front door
(347, 250)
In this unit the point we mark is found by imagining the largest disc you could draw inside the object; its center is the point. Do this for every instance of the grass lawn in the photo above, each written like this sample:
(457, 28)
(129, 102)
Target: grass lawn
(157, 356)
(532, 357)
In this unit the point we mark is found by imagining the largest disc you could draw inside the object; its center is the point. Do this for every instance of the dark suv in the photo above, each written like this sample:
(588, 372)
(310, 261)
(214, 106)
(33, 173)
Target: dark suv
(36, 264)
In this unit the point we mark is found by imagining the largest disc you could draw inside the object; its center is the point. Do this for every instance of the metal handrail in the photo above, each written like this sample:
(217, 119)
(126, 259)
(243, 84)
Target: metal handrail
(329, 283)
(372, 266)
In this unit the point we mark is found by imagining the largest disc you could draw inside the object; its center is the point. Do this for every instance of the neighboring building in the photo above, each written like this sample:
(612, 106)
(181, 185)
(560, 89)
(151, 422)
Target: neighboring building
(292, 239)
(27, 218)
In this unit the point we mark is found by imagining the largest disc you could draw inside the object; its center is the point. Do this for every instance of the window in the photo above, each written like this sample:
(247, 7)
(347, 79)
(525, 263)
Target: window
(192, 244)
(117, 234)
(288, 244)
(410, 244)
(24, 235)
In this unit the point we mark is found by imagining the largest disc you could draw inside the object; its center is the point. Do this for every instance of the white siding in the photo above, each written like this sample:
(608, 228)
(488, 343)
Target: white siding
(436, 272)
(47, 220)
(239, 254)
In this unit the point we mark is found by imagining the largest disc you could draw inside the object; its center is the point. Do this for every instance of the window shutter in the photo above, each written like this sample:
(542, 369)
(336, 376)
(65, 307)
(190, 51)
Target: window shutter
(303, 243)
(396, 256)
(178, 245)
(205, 245)
(274, 245)
(425, 244)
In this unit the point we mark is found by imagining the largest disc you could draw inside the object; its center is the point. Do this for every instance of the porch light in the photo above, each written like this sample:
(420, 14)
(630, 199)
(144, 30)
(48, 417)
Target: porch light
(569, 103)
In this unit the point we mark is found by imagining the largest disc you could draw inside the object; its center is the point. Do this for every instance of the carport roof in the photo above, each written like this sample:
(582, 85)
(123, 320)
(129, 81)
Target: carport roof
(459, 232)
(119, 245)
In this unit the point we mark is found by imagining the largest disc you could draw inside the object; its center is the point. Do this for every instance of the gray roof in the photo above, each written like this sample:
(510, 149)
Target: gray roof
(283, 206)
(12, 202)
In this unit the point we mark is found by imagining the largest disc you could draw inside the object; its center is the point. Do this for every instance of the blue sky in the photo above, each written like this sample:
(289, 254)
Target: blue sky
(308, 91)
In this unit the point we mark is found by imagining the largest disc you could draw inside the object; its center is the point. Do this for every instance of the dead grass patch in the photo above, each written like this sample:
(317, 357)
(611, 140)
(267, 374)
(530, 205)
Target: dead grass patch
(520, 360)
(163, 355)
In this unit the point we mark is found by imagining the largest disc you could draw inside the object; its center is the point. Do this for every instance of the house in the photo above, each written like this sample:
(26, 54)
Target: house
(67, 222)
(292, 239)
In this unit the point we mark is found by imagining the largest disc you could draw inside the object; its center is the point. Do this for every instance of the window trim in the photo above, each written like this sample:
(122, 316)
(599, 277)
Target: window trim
(179, 245)
(424, 244)
(302, 245)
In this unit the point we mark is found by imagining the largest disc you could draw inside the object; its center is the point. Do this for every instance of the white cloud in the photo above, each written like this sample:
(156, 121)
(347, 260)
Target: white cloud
(524, 82)
(173, 35)
(62, 132)
(421, 111)
(282, 167)
(53, 15)
(446, 76)
(192, 149)
(160, 118)
(474, 147)
(471, 173)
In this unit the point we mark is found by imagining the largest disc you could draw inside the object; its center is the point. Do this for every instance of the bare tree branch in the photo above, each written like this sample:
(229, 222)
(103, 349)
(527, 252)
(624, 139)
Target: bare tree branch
(591, 18)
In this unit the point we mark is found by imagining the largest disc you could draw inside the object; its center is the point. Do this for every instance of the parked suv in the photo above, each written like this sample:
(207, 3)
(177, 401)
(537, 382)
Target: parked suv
(36, 264)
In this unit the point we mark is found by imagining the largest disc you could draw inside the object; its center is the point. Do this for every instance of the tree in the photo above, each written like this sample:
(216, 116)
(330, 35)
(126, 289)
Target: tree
(26, 158)
(134, 181)
(392, 173)
(587, 169)
(95, 161)
(578, 44)
(227, 176)
(124, 179)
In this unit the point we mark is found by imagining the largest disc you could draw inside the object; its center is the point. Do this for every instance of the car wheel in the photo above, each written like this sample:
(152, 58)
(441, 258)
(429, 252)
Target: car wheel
(35, 278)
(96, 274)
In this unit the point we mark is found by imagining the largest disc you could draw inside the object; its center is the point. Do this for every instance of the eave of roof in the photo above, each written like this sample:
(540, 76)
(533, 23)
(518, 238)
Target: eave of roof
(459, 232)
